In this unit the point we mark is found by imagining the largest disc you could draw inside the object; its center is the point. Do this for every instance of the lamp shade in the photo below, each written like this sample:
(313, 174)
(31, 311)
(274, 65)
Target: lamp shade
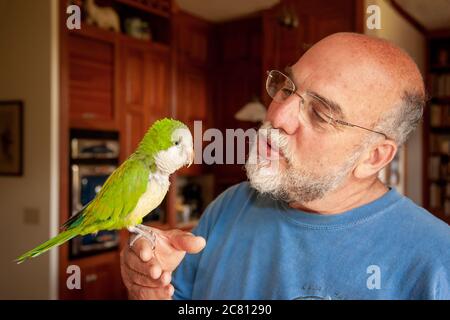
(253, 111)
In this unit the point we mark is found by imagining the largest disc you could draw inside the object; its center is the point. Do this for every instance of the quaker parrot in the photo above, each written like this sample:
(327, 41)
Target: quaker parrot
(133, 190)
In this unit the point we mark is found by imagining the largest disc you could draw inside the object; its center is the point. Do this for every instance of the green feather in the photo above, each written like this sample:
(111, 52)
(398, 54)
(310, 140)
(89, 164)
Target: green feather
(56, 241)
(120, 193)
(158, 137)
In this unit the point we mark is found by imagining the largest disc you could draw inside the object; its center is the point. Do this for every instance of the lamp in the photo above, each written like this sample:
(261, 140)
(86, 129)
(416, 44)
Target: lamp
(253, 111)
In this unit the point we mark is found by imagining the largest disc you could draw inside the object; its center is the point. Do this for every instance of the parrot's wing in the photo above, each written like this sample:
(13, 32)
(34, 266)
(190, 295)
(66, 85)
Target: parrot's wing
(117, 197)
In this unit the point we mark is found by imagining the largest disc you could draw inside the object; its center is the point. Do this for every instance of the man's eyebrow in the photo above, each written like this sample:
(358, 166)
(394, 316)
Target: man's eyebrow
(288, 71)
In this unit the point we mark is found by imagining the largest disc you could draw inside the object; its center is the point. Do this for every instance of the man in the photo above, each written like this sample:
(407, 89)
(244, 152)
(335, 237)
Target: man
(314, 221)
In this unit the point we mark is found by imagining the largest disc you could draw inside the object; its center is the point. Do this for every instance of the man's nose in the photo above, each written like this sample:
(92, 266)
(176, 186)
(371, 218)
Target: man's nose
(285, 115)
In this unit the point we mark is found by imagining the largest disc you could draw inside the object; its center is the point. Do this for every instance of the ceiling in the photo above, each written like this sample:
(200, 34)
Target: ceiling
(222, 10)
(431, 14)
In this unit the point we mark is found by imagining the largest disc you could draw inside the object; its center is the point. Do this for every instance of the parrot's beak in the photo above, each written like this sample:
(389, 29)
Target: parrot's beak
(191, 158)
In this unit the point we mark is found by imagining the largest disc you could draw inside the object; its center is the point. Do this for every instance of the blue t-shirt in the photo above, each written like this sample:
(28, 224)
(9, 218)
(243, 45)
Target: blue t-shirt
(259, 248)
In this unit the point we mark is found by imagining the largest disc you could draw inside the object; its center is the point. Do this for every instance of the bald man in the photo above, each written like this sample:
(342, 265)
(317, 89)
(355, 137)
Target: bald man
(314, 221)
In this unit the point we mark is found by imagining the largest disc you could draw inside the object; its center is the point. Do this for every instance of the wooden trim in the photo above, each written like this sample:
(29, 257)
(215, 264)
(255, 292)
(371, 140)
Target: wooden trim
(63, 147)
(146, 8)
(360, 16)
(94, 33)
(409, 18)
(439, 33)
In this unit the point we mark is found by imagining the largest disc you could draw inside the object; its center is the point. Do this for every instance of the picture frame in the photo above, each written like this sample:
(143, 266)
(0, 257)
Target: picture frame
(11, 138)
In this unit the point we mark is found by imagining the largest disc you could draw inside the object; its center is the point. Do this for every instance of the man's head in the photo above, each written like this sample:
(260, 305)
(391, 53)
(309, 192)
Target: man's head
(370, 83)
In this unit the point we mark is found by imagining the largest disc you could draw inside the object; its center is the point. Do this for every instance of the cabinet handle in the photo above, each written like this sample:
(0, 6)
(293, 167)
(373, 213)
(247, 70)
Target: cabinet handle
(91, 277)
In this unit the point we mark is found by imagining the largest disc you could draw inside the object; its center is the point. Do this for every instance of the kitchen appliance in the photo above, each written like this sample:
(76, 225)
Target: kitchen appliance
(94, 155)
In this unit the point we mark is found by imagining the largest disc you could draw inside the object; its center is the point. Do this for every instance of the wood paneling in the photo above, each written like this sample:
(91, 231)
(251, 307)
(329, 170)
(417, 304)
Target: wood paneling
(91, 79)
(114, 82)
(238, 77)
(193, 88)
(159, 80)
(144, 90)
(192, 39)
(317, 19)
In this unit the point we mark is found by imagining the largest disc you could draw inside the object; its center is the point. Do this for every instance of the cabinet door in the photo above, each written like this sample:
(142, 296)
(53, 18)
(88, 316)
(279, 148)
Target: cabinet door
(158, 84)
(145, 91)
(317, 19)
(100, 279)
(192, 95)
(133, 98)
(91, 82)
(192, 99)
(192, 39)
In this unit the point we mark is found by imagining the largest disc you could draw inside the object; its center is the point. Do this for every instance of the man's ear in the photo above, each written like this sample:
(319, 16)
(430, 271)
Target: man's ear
(376, 159)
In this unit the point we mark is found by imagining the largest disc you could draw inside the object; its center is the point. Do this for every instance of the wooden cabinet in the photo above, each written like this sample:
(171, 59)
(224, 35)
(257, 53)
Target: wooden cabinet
(192, 40)
(193, 86)
(238, 77)
(110, 81)
(192, 95)
(283, 46)
(91, 76)
(144, 90)
(100, 279)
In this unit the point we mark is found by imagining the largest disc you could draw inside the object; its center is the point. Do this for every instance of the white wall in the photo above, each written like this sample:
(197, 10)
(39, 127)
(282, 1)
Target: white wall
(28, 71)
(396, 29)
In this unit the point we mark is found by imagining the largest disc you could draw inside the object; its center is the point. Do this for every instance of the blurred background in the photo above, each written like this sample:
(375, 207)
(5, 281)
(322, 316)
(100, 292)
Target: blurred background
(74, 103)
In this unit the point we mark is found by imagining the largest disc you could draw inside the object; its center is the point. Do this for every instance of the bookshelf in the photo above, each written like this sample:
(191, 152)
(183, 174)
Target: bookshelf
(437, 127)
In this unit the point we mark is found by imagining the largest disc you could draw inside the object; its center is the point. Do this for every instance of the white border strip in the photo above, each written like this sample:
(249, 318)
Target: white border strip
(54, 145)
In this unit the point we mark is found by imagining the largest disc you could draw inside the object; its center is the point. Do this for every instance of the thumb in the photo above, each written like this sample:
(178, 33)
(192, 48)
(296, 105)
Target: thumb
(186, 241)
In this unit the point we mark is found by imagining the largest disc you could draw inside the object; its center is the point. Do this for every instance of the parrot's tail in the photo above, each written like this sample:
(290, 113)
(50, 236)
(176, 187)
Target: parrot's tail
(56, 241)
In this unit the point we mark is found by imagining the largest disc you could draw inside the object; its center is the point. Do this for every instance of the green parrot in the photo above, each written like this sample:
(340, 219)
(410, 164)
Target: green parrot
(133, 190)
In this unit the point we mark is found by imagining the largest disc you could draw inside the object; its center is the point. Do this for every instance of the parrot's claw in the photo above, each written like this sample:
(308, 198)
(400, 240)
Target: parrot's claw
(142, 231)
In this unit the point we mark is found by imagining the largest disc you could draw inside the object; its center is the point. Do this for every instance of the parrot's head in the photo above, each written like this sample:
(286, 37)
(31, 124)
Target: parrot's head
(170, 142)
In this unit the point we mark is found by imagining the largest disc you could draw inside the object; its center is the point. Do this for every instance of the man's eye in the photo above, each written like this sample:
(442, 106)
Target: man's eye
(318, 116)
(286, 92)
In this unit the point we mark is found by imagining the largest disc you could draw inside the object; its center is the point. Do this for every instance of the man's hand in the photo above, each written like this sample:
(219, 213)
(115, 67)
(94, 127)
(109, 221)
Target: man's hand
(146, 273)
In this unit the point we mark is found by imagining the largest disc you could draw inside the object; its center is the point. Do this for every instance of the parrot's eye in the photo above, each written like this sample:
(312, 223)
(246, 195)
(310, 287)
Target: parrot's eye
(177, 142)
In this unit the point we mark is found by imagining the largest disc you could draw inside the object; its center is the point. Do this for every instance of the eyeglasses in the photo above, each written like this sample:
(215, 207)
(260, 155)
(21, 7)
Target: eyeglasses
(315, 112)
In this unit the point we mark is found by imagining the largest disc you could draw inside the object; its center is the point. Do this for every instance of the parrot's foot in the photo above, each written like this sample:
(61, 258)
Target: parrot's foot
(142, 231)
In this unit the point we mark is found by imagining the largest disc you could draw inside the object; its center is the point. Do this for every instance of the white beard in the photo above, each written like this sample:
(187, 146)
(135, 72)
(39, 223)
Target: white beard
(293, 184)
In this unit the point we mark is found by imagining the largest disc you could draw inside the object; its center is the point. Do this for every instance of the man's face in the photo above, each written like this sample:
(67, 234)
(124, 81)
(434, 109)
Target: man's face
(307, 162)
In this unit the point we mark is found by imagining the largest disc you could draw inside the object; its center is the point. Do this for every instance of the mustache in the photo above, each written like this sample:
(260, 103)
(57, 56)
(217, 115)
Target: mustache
(276, 139)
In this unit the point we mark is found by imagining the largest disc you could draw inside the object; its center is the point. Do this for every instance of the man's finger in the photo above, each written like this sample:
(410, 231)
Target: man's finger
(143, 249)
(140, 279)
(151, 268)
(188, 242)
(143, 293)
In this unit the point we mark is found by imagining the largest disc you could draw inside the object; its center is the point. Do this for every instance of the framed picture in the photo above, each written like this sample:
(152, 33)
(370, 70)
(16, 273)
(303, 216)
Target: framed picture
(11, 138)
